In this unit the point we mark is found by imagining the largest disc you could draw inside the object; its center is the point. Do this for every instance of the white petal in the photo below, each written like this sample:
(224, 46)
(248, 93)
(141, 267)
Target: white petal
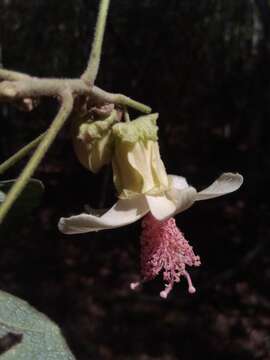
(124, 212)
(161, 207)
(178, 182)
(183, 199)
(225, 184)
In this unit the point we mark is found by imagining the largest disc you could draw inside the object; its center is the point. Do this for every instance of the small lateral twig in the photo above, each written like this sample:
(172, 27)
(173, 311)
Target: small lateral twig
(126, 115)
(20, 154)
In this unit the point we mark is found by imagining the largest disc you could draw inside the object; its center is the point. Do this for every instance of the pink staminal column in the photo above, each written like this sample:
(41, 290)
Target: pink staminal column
(164, 248)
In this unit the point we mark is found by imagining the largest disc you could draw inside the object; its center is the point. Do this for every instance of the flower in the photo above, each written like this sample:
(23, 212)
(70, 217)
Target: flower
(139, 175)
(163, 246)
(144, 190)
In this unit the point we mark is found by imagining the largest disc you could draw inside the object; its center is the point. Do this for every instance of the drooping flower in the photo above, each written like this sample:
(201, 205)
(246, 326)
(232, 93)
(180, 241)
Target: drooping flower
(140, 178)
(164, 247)
(144, 190)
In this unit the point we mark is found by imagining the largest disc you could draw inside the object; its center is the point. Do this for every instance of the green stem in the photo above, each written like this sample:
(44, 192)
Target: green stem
(126, 115)
(20, 154)
(127, 101)
(58, 122)
(90, 74)
(119, 99)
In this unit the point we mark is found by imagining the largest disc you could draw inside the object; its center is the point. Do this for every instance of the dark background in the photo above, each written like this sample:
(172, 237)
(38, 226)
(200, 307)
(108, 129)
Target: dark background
(204, 66)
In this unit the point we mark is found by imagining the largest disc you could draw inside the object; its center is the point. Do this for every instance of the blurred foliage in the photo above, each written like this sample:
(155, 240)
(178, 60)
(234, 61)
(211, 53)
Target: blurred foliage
(204, 66)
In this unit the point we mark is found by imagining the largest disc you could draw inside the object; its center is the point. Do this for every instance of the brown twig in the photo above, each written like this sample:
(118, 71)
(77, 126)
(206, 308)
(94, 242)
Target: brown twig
(24, 86)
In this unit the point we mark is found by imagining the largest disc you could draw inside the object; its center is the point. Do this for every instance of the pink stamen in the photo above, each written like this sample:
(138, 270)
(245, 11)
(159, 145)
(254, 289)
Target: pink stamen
(134, 285)
(191, 288)
(166, 291)
(164, 248)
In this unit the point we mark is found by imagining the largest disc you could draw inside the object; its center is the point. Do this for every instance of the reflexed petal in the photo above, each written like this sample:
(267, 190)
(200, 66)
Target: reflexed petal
(178, 182)
(183, 199)
(138, 169)
(124, 212)
(161, 207)
(225, 184)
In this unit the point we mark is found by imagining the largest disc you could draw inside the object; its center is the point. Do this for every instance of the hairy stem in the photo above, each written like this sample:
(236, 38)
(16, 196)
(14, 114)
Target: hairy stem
(12, 75)
(32, 87)
(36, 87)
(127, 101)
(90, 74)
(20, 154)
(58, 122)
(120, 99)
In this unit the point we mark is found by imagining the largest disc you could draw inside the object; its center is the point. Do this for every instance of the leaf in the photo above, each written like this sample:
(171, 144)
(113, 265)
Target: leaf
(41, 339)
(28, 200)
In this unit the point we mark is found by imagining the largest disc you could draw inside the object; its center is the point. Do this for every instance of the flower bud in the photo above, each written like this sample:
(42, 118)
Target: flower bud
(93, 142)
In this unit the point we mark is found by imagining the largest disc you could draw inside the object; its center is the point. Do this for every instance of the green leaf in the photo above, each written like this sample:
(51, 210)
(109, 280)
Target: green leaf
(41, 339)
(27, 201)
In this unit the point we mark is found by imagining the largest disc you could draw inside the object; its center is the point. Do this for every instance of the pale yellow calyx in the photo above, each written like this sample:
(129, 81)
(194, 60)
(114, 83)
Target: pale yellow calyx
(93, 143)
(137, 166)
(141, 129)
